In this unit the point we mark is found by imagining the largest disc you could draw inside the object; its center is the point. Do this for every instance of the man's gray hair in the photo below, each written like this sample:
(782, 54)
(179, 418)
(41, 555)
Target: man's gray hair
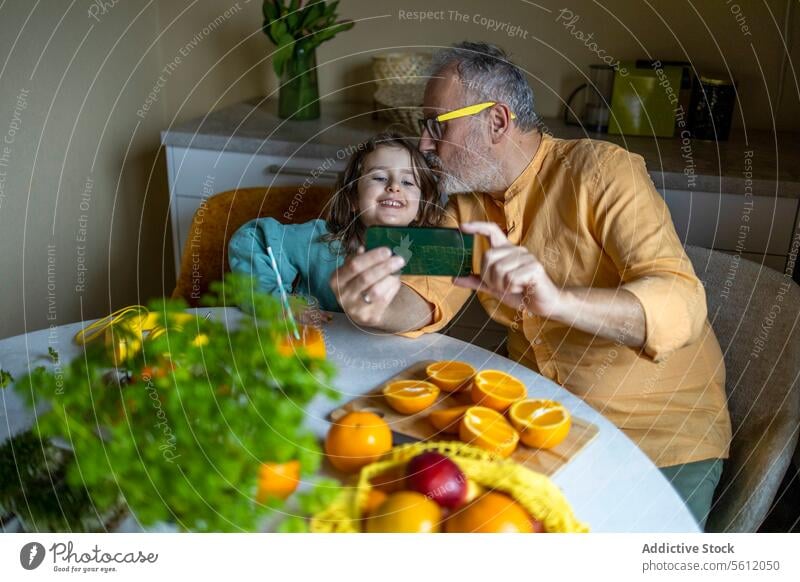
(487, 75)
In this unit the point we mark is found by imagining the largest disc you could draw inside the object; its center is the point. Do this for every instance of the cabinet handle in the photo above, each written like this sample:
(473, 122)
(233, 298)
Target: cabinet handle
(305, 172)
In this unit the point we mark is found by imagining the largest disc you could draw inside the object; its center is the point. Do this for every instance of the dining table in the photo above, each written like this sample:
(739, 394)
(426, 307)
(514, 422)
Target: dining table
(611, 484)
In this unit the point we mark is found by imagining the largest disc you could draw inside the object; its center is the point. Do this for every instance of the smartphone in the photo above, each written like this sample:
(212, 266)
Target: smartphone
(436, 252)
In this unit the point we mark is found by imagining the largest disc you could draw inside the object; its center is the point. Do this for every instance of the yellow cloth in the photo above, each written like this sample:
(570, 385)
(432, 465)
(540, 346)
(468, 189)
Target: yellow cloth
(590, 213)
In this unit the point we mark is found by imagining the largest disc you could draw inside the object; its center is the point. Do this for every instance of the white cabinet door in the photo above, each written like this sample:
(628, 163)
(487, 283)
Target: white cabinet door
(759, 227)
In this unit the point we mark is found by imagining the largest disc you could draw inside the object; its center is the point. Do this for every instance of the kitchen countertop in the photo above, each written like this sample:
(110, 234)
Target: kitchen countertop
(253, 126)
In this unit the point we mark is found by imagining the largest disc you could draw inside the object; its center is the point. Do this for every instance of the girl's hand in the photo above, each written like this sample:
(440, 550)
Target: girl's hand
(365, 285)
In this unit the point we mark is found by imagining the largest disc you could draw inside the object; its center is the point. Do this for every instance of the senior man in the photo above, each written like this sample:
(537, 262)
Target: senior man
(584, 268)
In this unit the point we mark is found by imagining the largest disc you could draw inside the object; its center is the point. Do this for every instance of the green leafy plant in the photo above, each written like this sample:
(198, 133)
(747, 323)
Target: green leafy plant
(176, 432)
(296, 27)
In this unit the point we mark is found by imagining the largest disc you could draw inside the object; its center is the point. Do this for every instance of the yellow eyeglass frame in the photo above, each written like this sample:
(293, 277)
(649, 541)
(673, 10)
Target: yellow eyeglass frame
(433, 124)
(467, 111)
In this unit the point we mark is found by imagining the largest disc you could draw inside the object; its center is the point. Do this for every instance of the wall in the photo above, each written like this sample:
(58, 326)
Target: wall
(83, 197)
(83, 200)
(76, 181)
(704, 33)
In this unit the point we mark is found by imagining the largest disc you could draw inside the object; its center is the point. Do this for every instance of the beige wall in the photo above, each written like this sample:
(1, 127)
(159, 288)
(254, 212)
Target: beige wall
(77, 82)
(79, 125)
(710, 38)
(62, 143)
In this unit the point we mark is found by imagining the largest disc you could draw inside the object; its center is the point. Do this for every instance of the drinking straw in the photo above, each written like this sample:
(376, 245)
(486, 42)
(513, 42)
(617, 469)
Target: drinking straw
(284, 297)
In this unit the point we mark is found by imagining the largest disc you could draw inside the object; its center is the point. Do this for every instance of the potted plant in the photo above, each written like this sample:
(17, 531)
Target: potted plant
(297, 29)
(181, 426)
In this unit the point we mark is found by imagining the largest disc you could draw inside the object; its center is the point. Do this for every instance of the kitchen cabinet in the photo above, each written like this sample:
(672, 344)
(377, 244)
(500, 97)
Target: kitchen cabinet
(761, 228)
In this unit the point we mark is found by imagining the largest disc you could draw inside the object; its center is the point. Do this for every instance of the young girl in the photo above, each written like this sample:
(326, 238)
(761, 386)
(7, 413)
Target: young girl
(386, 182)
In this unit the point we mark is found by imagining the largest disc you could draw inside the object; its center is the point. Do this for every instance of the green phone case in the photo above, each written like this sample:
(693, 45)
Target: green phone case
(445, 252)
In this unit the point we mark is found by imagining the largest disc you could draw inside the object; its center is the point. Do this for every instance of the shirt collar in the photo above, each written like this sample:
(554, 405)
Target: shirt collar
(525, 178)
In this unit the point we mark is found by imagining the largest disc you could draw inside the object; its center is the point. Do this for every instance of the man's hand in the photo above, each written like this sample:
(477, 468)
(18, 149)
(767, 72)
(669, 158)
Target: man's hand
(365, 285)
(515, 277)
(512, 274)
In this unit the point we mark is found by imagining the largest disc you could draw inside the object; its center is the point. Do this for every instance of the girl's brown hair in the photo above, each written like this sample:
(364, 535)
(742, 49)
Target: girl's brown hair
(343, 223)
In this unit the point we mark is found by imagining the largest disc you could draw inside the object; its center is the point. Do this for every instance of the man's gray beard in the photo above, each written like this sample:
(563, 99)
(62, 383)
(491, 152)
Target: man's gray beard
(473, 170)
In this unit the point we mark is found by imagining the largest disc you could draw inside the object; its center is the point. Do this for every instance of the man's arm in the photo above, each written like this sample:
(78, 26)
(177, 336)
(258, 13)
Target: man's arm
(373, 296)
(610, 313)
(513, 275)
(660, 304)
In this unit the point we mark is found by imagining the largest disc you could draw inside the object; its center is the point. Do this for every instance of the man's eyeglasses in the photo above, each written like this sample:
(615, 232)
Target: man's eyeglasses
(434, 124)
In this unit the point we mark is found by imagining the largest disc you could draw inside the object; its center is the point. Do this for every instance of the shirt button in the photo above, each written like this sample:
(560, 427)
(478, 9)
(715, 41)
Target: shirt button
(537, 341)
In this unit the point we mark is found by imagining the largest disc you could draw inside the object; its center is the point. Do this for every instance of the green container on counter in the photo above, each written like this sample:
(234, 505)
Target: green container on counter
(644, 99)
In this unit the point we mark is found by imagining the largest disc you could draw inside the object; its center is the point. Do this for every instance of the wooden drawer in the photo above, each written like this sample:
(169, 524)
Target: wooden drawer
(717, 221)
(202, 173)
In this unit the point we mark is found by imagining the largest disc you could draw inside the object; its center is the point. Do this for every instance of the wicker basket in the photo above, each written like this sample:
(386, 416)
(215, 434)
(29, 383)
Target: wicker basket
(400, 68)
(400, 78)
(533, 491)
(401, 104)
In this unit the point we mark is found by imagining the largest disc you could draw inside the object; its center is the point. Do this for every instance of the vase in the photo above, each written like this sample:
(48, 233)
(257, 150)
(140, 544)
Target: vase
(299, 93)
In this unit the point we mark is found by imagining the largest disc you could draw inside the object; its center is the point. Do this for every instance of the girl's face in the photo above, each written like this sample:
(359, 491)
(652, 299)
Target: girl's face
(388, 193)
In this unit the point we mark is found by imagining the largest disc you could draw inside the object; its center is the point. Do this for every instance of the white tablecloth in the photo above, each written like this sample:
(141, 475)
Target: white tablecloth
(611, 484)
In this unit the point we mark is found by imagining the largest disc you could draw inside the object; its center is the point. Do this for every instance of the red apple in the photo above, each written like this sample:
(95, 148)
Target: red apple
(437, 477)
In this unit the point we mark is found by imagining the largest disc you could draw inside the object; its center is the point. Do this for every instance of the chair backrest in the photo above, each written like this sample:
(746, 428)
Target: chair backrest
(755, 313)
(205, 253)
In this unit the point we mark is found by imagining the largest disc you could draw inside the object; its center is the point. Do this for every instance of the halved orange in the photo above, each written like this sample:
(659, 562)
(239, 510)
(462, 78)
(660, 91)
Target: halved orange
(488, 429)
(311, 340)
(541, 423)
(450, 375)
(447, 419)
(410, 396)
(497, 390)
(277, 480)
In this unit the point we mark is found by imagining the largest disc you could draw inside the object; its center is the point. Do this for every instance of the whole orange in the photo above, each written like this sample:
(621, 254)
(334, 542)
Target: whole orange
(357, 439)
(374, 499)
(490, 513)
(405, 512)
(278, 480)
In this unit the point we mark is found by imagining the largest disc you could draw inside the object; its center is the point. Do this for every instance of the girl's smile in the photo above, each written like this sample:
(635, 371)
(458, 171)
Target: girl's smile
(387, 191)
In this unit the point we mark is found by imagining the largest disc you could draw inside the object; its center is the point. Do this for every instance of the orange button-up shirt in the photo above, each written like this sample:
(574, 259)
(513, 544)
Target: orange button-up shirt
(590, 213)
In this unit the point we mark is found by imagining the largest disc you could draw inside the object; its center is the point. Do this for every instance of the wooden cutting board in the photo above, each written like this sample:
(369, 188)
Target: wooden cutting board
(417, 426)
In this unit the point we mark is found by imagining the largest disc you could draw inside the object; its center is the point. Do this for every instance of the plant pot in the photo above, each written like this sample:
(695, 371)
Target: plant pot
(299, 93)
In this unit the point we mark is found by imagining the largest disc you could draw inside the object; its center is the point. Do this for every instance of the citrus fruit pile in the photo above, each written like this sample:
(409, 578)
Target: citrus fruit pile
(499, 416)
(431, 494)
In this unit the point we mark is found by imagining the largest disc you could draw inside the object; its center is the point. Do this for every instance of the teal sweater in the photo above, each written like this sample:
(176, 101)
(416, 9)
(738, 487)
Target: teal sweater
(305, 263)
